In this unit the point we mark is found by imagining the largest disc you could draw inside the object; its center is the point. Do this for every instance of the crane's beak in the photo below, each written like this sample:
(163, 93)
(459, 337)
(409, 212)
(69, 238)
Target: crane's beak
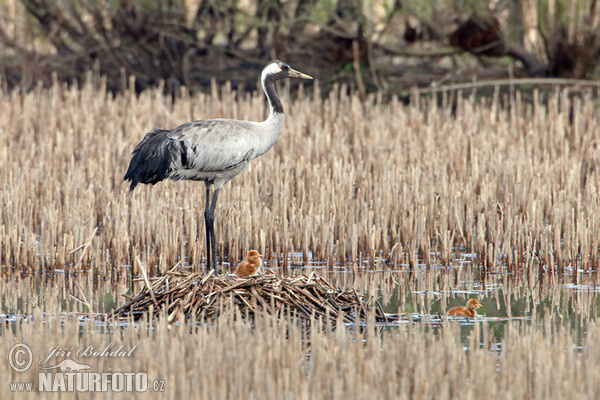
(296, 74)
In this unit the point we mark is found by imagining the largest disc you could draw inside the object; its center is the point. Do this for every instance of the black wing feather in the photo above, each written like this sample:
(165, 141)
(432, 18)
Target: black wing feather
(153, 158)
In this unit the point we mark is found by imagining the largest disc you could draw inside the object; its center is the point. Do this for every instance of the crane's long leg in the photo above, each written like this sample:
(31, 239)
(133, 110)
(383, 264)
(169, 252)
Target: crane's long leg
(211, 220)
(206, 227)
(209, 224)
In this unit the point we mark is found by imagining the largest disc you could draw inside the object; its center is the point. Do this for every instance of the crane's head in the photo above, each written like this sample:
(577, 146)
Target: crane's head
(276, 70)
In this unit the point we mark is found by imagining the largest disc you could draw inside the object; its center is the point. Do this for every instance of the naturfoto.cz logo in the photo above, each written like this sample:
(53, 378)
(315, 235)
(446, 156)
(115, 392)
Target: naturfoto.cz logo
(69, 375)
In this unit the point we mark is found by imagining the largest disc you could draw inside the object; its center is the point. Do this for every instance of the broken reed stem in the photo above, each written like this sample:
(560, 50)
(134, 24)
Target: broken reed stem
(143, 270)
(85, 301)
(84, 248)
(552, 82)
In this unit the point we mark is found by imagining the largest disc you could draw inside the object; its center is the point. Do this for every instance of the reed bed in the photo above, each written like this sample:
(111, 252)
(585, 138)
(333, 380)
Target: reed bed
(268, 359)
(513, 183)
(205, 296)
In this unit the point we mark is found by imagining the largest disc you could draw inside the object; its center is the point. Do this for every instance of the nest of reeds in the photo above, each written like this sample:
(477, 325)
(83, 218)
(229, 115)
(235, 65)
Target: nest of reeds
(181, 293)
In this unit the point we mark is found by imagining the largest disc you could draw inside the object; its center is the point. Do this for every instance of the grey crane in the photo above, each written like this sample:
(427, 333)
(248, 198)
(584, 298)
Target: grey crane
(213, 151)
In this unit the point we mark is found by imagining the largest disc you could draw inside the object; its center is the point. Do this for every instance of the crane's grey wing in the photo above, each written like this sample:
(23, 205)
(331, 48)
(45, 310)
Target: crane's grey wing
(214, 146)
(192, 151)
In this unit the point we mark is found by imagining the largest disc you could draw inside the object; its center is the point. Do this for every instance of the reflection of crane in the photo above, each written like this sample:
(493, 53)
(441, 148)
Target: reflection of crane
(213, 151)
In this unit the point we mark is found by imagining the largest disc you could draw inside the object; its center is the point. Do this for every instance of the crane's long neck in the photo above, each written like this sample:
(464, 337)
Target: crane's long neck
(272, 127)
(268, 83)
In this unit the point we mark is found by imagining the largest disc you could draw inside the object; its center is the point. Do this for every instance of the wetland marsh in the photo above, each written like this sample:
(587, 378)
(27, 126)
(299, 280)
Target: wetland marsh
(420, 206)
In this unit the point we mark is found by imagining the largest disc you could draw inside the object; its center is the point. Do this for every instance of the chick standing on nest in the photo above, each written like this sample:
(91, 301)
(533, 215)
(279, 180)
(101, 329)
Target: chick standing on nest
(251, 265)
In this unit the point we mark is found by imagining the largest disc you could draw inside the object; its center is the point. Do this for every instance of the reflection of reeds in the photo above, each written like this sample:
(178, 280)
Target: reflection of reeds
(271, 359)
(516, 184)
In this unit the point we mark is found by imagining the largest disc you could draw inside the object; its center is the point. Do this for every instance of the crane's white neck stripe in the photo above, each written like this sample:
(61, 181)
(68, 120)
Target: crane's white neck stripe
(268, 78)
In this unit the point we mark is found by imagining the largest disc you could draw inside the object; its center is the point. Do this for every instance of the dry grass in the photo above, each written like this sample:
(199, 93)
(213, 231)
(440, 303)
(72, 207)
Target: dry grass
(348, 180)
(276, 360)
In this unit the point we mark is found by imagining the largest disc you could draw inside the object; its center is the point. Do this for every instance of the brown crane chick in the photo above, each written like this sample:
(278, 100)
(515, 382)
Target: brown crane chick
(468, 311)
(251, 265)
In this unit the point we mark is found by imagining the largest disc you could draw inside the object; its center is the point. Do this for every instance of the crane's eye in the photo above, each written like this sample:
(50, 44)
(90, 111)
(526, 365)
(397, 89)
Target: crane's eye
(285, 67)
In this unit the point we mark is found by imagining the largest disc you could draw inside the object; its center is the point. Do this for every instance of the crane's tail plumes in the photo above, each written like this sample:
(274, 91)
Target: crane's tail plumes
(153, 158)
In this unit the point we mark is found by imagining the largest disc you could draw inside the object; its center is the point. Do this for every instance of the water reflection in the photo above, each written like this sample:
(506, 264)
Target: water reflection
(571, 305)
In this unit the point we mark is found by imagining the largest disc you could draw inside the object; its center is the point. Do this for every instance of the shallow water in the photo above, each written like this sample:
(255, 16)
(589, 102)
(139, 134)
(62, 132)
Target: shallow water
(421, 295)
